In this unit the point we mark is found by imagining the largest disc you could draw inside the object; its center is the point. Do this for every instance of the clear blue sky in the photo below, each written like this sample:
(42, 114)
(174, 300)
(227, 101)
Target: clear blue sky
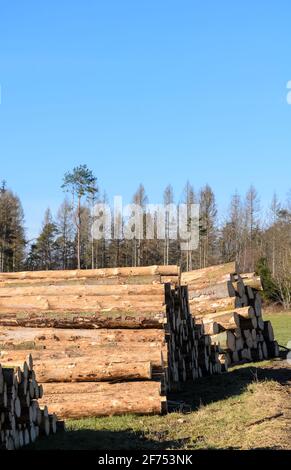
(152, 91)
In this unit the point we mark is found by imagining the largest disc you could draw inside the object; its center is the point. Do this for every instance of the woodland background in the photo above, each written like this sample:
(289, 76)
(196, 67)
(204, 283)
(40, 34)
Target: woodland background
(260, 241)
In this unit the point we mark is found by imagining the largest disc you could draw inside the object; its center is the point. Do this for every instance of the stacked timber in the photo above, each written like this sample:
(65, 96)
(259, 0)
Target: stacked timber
(229, 307)
(22, 420)
(104, 342)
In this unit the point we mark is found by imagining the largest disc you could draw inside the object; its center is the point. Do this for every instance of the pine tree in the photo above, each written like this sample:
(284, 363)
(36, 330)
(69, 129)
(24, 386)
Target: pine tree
(12, 238)
(208, 231)
(45, 245)
(65, 236)
(80, 183)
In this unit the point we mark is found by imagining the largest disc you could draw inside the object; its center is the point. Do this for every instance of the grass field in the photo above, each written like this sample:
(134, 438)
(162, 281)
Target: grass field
(238, 410)
(282, 325)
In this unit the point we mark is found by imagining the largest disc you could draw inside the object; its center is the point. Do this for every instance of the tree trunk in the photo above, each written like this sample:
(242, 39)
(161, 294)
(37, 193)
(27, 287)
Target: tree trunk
(79, 234)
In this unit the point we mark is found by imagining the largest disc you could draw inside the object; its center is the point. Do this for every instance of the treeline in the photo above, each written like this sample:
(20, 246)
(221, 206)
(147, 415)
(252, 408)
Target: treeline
(259, 241)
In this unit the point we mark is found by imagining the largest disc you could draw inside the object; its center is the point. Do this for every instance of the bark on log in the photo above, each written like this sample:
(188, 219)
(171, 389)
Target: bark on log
(206, 305)
(94, 273)
(127, 292)
(102, 399)
(85, 370)
(90, 320)
(211, 275)
(106, 281)
(33, 338)
(230, 319)
(75, 303)
(156, 354)
(227, 321)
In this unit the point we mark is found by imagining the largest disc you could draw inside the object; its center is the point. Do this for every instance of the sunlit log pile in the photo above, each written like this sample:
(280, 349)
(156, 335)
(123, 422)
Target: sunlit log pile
(104, 342)
(115, 341)
(229, 307)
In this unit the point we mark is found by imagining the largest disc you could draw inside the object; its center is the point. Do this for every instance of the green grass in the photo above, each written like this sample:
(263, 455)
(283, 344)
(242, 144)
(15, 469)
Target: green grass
(222, 412)
(223, 423)
(282, 326)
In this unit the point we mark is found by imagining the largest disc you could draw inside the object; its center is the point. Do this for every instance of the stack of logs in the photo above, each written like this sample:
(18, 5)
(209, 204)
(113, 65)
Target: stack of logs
(104, 342)
(228, 307)
(116, 341)
(22, 420)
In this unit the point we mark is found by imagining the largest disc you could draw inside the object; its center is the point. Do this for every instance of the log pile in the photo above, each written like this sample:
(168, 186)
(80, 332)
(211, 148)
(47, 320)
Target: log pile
(104, 342)
(229, 307)
(22, 420)
(116, 341)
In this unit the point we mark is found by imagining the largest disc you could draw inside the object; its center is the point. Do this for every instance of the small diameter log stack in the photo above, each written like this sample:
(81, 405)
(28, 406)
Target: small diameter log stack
(104, 342)
(22, 420)
(228, 307)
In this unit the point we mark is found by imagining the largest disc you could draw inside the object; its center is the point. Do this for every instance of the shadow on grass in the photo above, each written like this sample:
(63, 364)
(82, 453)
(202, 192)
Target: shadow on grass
(203, 392)
(88, 439)
(216, 388)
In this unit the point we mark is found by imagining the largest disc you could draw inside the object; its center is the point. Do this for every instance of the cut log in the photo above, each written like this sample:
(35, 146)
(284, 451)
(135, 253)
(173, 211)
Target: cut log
(211, 327)
(153, 353)
(106, 281)
(85, 370)
(246, 312)
(128, 292)
(76, 303)
(94, 273)
(84, 320)
(211, 275)
(250, 293)
(215, 291)
(248, 324)
(94, 399)
(239, 344)
(206, 305)
(246, 354)
(265, 350)
(255, 283)
(268, 332)
(239, 288)
(39, 338)
(226, 340)
(231, 319)
(225, 320)
(258, 305)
